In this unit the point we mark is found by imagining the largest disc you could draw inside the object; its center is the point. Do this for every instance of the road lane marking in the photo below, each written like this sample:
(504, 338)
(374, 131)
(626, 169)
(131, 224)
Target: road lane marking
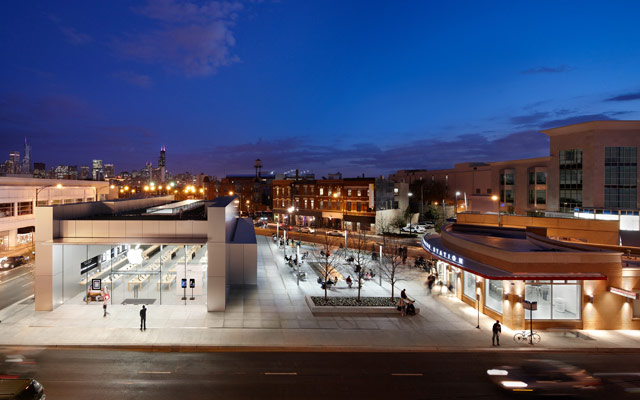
(15, 277)
(281, 373)
(155, 372)
(27, 284)
(399, 374)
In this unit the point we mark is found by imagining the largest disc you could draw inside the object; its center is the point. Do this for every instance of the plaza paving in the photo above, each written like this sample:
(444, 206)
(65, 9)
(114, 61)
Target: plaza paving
(274, 315)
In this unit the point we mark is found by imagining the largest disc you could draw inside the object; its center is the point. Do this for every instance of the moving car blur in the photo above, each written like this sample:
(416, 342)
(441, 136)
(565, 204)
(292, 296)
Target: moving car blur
(545, 378)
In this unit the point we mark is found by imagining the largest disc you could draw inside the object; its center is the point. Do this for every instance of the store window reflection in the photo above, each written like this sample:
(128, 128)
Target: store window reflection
(560, 300)
(493, 295)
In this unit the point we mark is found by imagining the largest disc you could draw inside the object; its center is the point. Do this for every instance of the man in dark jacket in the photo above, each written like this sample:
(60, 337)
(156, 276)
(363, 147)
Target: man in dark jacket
(143, 318)
(497, 330)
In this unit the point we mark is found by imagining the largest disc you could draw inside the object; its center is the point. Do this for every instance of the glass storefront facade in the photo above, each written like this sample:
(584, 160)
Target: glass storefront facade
(493, 295)
(556, 300)
(129, 274)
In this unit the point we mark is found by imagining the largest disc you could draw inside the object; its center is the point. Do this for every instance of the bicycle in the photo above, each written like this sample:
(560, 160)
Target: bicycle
(526, 337)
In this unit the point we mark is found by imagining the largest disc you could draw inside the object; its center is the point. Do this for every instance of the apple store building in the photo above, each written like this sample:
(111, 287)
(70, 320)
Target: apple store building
(143, 251)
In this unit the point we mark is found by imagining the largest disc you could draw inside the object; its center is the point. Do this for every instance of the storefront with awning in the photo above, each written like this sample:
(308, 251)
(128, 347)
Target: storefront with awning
(497, 269)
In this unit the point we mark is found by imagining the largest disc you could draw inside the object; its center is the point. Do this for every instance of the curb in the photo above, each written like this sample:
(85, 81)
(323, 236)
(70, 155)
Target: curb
(324, 349)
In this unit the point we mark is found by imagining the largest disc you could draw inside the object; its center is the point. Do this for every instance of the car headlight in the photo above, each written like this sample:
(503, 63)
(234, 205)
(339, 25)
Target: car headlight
(513, 384)
(497, 372)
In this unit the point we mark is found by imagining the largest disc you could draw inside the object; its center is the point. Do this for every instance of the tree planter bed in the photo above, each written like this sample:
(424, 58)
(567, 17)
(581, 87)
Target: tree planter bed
(349, 305)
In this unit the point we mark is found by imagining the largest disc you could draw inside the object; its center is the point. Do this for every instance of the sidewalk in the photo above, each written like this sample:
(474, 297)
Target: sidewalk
(274, 316)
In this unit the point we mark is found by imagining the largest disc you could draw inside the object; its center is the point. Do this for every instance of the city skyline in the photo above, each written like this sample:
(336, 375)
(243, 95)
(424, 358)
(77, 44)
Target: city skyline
(358, 88)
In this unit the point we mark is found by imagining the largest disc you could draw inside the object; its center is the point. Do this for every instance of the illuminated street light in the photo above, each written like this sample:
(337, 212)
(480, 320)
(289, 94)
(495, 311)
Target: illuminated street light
(146, 188)
(457, 194)
(495, 198)
(230, 192)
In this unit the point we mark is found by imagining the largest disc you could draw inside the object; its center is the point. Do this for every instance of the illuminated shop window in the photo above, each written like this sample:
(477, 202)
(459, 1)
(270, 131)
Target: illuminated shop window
(493, 295)
(559, 300)
(469, 289)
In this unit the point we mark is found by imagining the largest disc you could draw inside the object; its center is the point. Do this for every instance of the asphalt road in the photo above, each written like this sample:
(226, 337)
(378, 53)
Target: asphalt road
(102, 374)
(16, 284)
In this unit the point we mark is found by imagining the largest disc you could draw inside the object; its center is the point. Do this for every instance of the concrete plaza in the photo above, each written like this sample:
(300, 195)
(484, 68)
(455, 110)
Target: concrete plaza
(274, 315)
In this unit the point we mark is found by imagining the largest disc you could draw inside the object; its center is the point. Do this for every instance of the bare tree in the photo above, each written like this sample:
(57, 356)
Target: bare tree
(391, 263)
(358, 250)
(325, 258)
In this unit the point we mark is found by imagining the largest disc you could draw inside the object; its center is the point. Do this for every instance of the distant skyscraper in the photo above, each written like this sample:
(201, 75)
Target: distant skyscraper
(97, 173)
(26, 162)
(109, 171)
(162, 164)
(73, 172)
(148, 171)
(14, 157)
(85, 172)
(39, 170)
(62, 172)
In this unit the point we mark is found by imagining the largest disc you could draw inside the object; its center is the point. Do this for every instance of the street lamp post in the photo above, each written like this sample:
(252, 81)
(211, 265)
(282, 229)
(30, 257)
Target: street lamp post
(38, 190)
(456, 210)
(495, 198)
(409, 207)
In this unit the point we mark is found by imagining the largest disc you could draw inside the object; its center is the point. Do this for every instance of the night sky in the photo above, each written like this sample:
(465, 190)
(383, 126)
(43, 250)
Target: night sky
(350, 86)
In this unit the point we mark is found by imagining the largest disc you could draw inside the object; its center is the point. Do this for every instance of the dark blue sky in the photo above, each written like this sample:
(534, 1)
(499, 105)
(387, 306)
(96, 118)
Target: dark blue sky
(350, 86)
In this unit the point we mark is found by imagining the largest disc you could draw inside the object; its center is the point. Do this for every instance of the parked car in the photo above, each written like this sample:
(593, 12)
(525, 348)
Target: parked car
(544, 377)
(307, 229)
(414, 229)
(426, 224)
(16, 388)
(334, 232)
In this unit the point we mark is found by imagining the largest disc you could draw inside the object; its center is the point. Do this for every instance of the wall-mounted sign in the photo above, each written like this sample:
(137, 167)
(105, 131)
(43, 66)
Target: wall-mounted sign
(530, 305)
(89, 264)
(624, 293)
(96, 284)
(442, 253)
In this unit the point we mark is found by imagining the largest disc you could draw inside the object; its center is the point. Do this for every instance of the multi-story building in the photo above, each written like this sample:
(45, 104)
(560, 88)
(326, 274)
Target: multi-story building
(591, 172)
(349, 203)
(15, 168)
(85, 172)
(27, 168)
(39, 170)
(97, 171)
(109, 171)
(19, 197)
(162, 163)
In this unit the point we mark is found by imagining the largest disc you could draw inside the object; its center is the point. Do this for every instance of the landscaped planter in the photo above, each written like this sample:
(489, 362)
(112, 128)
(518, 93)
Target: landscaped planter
(349, 305)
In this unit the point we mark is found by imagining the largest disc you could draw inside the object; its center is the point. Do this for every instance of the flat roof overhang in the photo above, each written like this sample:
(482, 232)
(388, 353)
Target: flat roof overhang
(437, 249)
(129, 240)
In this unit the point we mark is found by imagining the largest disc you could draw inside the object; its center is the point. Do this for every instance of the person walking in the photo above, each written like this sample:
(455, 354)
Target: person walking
(143, 318)
(497, 330)
(104, 308)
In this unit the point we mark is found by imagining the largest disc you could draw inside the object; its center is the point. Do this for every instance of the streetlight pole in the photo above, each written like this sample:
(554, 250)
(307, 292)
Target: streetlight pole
(409, 208)
(456, 210)
(38, 190)
(495, 198)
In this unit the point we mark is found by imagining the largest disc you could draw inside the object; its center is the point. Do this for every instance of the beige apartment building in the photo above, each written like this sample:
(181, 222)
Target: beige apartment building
(591, 172)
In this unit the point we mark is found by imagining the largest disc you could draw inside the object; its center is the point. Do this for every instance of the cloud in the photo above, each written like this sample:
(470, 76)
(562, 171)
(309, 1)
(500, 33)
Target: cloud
(625, 97)
(576, 120)
(132, 78)
(71, 34)
(547, 70)
(354, 159)
(191, 38)
(529, 119)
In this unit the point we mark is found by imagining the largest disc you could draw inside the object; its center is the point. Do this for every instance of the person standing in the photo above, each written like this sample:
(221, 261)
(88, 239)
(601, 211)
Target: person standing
(497, 330)
(143, 318)
(104, 308)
